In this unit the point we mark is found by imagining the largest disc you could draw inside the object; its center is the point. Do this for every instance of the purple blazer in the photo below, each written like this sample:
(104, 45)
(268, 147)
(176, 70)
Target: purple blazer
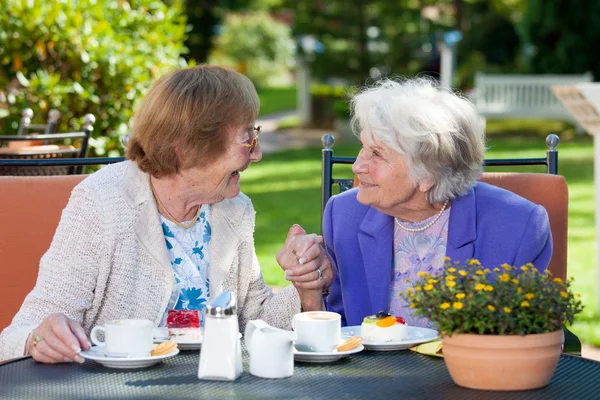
(490, 224)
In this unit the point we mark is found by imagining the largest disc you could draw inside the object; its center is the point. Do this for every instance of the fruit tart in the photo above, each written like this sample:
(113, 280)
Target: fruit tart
(383, 327)
(184, 325)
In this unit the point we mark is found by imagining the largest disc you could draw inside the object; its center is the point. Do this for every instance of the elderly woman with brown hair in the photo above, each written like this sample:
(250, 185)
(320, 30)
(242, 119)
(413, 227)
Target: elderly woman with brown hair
(167, 229)
(418, 201)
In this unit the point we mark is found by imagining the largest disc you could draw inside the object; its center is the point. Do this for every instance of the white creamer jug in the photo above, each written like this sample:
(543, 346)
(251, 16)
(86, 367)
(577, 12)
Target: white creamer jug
(271, 350)
(221, 355)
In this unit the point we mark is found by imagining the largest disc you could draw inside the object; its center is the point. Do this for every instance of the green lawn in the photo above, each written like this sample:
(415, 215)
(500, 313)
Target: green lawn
(285, 189)
(277, 99)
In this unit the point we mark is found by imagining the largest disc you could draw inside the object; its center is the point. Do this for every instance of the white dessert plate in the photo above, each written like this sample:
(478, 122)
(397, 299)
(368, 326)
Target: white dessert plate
(416, 335)
(324, 357)
(98, 354)
(161, 334)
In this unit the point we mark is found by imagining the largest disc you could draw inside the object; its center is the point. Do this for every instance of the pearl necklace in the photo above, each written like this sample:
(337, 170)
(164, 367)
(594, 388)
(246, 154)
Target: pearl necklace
(423, 228)
(169, 216)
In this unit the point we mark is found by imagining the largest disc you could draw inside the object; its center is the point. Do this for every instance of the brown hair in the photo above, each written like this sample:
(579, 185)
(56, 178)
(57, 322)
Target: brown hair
(185, 118)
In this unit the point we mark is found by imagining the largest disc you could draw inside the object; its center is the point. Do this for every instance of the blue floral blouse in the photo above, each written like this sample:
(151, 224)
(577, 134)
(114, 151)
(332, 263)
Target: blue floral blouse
(188, 252)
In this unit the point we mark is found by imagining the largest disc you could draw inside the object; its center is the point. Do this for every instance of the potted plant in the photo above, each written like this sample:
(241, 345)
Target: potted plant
(501, 329)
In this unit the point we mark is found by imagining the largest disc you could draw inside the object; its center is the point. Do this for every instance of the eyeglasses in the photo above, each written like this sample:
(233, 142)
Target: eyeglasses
(252, 145)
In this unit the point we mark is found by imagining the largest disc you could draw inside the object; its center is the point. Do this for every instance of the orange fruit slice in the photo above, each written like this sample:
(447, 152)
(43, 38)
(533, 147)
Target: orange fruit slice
(386, 322)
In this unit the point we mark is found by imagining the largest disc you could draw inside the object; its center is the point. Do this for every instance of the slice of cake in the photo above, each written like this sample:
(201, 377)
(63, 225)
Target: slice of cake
(184, 325)
(383, 327)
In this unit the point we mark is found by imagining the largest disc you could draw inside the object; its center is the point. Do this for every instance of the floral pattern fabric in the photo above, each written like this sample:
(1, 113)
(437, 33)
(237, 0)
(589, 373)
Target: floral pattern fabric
(188, 252)
(416, 252)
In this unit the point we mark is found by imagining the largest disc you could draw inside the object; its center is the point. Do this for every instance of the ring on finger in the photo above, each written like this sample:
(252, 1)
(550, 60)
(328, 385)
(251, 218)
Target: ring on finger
(320, 274)
(36, 340)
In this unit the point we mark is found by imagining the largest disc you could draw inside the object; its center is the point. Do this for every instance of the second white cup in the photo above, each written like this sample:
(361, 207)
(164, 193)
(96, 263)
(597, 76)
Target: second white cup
(125, 337)
(317, 331)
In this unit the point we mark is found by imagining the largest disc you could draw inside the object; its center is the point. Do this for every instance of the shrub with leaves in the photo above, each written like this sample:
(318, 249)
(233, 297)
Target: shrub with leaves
(85, 56)
(469, 298)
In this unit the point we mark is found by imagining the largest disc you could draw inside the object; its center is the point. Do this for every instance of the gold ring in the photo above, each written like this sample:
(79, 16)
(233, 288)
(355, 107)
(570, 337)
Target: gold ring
(37, 339)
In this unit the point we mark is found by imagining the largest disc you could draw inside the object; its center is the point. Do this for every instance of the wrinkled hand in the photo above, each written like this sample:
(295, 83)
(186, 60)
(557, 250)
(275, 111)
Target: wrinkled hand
(57, 339)
(306, 265)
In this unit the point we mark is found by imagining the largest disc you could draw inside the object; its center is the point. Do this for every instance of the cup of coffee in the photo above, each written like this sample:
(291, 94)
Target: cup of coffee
(317, 331)
(125, 337)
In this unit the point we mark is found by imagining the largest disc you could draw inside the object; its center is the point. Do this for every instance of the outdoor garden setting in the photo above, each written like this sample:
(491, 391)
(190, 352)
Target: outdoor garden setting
(129, 128)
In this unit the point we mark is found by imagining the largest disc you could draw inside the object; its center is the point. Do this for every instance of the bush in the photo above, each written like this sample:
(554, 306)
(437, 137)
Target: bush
(254, 44)
(88, 56)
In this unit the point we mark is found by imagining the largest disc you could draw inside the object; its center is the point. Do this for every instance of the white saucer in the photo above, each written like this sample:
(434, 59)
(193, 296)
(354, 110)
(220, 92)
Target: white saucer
(324, 357)
(98, 354)
(161, 334)
(416, 335)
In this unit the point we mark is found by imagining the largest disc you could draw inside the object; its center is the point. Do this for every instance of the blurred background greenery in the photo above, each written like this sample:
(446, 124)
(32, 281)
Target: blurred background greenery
(101, 56)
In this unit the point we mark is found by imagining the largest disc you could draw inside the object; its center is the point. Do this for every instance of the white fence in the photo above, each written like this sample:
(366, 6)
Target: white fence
(522, 96)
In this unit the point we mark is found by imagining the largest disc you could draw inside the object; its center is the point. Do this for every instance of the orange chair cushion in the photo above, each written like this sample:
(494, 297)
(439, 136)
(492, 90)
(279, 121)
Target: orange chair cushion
(30, 208)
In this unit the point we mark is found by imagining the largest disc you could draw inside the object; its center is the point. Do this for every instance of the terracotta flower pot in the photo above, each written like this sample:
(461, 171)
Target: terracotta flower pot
(502, 362)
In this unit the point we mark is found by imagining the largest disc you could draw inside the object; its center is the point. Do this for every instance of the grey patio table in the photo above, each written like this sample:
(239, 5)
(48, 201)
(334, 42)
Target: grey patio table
(399, 374)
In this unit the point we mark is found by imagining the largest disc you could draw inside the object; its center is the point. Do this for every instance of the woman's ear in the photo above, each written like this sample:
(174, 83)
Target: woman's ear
(425, 185)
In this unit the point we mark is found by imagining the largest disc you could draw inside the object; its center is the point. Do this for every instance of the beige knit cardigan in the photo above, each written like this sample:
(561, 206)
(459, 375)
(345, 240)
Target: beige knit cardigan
(108, 260)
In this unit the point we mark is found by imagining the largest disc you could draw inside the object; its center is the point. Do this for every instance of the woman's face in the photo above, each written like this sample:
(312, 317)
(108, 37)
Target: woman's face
(221, 179)
(383, 177)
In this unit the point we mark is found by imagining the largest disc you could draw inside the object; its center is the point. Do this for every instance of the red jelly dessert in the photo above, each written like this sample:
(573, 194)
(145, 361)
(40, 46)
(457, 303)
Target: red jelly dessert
(184, 325)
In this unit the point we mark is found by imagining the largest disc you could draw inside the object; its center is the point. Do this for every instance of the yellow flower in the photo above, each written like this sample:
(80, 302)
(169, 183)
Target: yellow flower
(496, 269)
(524, 268)
(457, 305)
(530, 265)
(452, 269)
(445, 306)
(557, 280)
(578, 295)
(479, 272)
(506, 266)
(474, 262)
(422, 273)
(432, 281)
(519, 290)
(507, 310)
(491, 307)
(417, 288)
(460, 295)
(450, 277)
(413, 305)
(450, 283)
(505, 277)
(530, 296)
(407, 280)
(515, 281)
(408, 290)
(399, 293)
(549, 272)
(524, 303)
(488, 288)
(427, 287)
(446, 258)
(479, 286)
(564, 294)
(487, 270)
(462, 272)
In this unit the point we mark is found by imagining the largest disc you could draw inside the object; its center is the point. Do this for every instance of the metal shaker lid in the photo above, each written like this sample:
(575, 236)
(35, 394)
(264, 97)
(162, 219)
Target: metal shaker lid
(224, 305)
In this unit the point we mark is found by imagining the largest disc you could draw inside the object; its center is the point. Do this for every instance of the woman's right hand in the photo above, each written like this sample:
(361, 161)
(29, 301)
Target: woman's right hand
(57, 339)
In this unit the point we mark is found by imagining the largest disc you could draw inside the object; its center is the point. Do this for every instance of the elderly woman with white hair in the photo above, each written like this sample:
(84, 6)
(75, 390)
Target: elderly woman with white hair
(419, 200)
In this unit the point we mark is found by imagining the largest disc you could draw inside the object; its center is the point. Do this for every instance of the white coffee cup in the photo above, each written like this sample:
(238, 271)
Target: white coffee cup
(317, 331)
(125, 337)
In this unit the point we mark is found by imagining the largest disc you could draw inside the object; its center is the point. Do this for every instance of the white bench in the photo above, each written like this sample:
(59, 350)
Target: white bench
(522, 96)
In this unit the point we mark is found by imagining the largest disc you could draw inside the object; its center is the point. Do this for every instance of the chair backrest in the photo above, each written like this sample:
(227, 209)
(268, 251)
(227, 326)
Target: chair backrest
(549, 190)
(25, 124)
(30, 208)
(39, 147)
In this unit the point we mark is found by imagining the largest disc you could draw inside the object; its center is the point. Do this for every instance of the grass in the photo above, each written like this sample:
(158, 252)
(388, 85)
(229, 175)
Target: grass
(285, 189)
(277, 99)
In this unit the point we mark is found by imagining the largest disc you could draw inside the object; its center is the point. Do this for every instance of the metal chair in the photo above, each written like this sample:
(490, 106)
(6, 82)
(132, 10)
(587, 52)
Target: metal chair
(40, 147)
(547, 189)
(25, 124)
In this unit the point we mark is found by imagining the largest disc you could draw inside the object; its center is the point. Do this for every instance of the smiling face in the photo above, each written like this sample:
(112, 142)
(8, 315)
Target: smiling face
(384, 181)
(220, 179)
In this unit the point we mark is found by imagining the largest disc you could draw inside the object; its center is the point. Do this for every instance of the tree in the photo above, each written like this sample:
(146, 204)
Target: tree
(561, 36)
(85, 57)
